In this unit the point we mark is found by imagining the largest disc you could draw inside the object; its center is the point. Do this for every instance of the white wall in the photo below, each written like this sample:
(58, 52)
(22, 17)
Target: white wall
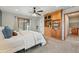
(37, 21)
(41, 25)
(10, 20)
(74, 19)
(72, 9)
(34, 23)
(62, 34)
(66, 25)
(0, 18)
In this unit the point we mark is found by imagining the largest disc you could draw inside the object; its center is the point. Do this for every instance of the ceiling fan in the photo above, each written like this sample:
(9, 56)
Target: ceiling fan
(36, 12)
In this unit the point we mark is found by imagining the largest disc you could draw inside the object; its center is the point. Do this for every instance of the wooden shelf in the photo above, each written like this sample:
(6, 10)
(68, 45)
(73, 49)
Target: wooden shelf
(50, 18)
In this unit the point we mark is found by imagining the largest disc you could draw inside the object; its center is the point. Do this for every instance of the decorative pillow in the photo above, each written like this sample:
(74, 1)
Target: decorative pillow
(7, 32)
(14, 34)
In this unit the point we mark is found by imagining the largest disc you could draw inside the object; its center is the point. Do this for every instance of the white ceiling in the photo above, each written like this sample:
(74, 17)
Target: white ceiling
(26, 10)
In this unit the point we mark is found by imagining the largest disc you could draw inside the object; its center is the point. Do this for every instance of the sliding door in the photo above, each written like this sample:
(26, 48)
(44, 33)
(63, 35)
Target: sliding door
(23, 23)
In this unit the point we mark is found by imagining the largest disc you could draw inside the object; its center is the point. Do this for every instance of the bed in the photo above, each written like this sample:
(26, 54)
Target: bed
(33, 37)
(24, 39)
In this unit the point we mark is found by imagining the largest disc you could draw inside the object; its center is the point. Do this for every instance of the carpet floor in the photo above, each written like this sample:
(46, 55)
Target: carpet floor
(57, 46)
(70, 45)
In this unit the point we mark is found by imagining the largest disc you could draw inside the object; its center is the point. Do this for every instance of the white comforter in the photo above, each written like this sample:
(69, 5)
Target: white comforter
(32, 38)
(25, 39)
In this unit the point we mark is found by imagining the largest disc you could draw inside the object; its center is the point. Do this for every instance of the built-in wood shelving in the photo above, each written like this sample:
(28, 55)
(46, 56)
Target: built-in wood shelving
(53, 24)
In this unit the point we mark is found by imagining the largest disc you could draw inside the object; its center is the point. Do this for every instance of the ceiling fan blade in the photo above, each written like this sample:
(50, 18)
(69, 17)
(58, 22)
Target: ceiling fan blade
(40, 11)
(38, 14)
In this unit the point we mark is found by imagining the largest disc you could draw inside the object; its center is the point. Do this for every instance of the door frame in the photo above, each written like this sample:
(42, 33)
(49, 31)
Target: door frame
(65, 36)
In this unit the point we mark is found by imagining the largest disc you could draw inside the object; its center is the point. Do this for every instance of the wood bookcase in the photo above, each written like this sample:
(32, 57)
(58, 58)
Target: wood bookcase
(52, 24)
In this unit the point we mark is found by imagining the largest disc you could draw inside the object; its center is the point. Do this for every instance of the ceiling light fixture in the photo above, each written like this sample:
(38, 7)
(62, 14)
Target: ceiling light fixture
(34, 14)
(16, 9)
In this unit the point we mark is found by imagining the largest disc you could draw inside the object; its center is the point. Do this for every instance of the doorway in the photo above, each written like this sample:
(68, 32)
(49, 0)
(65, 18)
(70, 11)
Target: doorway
(72, 26)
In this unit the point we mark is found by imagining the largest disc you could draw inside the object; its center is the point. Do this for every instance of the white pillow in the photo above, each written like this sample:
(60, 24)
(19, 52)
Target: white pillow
(1, 28)
(1, 34)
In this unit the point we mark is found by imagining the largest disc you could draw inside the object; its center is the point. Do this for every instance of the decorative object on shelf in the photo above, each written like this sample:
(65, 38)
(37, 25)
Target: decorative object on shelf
(49, 17)
(47, 23)
(55, 24)
(45, 17)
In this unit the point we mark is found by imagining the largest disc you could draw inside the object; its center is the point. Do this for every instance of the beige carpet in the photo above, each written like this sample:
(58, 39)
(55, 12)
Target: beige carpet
(57, 46)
